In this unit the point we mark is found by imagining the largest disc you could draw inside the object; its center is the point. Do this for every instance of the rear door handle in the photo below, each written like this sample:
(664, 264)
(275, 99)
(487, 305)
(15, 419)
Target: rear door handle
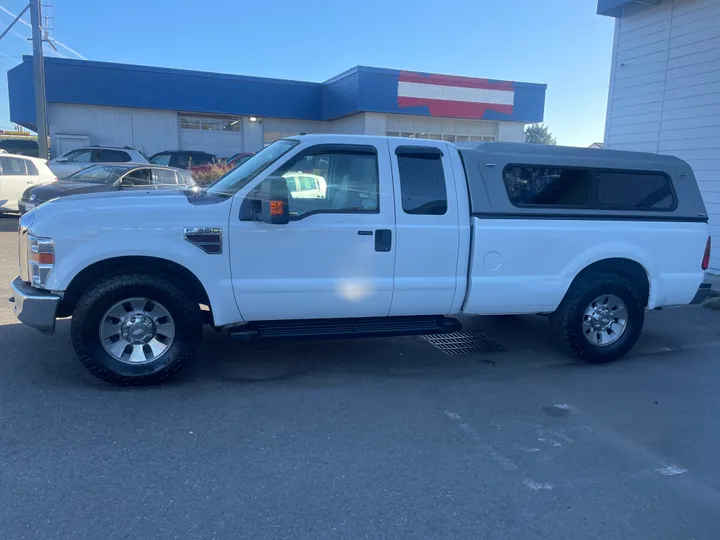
(383, 240)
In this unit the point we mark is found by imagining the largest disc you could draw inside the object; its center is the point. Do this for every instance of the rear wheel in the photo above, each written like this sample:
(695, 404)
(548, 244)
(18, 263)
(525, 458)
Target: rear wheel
(135, 329)
(601, 317)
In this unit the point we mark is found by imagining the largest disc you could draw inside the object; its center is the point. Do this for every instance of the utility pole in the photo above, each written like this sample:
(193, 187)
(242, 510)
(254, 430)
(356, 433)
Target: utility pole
(39, 78)
(38, 68)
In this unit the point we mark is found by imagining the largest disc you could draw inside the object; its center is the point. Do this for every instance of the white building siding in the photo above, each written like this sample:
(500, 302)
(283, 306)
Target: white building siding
(665, 90)
(148, 130)
(354, 124)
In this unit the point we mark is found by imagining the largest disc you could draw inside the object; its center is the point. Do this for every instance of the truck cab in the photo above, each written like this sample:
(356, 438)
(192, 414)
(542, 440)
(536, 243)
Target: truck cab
(392, 236)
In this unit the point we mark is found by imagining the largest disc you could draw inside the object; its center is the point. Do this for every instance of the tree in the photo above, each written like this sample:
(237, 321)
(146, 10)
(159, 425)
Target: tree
(538, 134)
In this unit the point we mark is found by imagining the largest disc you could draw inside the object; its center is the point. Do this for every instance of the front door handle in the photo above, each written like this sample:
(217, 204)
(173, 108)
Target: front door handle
(383, 240)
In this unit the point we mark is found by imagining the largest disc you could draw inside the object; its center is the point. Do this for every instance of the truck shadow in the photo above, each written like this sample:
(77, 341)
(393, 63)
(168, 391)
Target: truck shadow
(28, 358)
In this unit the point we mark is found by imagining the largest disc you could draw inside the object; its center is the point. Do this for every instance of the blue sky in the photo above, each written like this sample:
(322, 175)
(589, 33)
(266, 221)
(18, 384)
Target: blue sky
(562, 43)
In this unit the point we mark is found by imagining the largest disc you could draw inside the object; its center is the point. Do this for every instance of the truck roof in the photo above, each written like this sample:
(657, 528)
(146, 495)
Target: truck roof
(573, 156)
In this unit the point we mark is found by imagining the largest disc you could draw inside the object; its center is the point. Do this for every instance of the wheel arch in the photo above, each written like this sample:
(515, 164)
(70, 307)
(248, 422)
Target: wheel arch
(629, 268)
(114, 266)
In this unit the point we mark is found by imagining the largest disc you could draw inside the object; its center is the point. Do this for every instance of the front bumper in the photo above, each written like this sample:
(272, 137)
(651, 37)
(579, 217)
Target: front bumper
(34, 307)
(702, 293)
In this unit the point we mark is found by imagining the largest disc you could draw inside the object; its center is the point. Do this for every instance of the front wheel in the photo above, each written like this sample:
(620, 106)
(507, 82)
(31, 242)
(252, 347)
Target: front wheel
(135, 329)
(601, 317)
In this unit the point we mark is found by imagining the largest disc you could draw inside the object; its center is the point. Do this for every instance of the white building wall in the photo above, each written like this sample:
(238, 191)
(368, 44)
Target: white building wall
(354, 124)
(375, 123)
(665, 91)
(511, 132)
(148, 130)
(252, 135)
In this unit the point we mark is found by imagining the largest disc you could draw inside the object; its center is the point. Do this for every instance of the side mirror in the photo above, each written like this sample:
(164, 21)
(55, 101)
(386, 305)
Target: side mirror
(60, 160)
(274, 195)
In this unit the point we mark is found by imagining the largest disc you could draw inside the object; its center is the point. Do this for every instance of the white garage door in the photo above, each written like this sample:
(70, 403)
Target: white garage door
(219, 135)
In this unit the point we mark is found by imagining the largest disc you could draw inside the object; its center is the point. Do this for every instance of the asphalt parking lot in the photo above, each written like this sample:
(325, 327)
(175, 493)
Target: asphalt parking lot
(366, 439)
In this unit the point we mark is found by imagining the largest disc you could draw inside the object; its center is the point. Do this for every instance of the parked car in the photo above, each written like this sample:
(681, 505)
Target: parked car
(182, 159)
(80, 158)
(20, 146)
(107, 177)
(239, 158)
(409, 235)
(16, 174)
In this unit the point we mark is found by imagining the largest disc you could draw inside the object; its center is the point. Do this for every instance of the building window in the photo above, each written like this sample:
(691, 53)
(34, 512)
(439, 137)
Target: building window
(441, 129)
(441, 137)
(211, 123)
(587, 188)
(422, 181)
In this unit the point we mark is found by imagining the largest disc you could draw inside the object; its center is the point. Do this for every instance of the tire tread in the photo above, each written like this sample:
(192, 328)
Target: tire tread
(185, 340)
(564, 326)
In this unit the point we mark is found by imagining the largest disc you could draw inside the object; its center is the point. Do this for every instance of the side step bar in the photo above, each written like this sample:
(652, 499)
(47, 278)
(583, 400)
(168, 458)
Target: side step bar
(344, 328)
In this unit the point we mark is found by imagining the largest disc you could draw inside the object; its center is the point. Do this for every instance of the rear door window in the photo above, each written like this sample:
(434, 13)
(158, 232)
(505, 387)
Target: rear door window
(13, 166)
(422, 181)
(201, 159)
(110, 156)
(165, 177)
(31, 168)
(181, 161)
(138, 177)
(79, 156)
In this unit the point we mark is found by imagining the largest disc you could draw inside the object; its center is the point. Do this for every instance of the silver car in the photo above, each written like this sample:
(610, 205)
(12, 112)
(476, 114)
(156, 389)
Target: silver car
(81, 158)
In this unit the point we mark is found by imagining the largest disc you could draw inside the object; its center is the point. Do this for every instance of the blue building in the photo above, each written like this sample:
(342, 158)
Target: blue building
(156, 109)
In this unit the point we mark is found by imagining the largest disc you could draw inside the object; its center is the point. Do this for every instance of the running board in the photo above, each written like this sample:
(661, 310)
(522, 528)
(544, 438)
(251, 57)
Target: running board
(344, 328)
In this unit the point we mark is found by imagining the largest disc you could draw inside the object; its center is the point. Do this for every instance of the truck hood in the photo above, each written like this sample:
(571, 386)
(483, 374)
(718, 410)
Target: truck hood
(119, 202)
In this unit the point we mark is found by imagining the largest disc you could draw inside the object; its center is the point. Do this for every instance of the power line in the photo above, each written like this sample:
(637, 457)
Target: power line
(73, 51)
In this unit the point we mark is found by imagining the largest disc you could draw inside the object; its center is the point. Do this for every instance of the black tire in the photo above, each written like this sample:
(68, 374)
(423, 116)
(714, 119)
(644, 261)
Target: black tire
(93, 305)
(566, 322)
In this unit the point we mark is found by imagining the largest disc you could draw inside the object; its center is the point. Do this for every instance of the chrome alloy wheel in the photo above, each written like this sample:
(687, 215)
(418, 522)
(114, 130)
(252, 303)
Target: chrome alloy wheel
(605, 320)
(137, 331)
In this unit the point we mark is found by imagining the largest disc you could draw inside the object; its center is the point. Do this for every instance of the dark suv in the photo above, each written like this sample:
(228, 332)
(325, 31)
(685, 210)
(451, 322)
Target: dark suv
(24, 147)
(182, 159)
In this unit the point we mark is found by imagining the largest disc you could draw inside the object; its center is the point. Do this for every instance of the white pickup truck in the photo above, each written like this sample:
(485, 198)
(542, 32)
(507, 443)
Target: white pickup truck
(404, 236)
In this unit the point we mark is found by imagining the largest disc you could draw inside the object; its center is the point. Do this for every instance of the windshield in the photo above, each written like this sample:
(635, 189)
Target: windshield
(160, 159)
(233, 181)
(98, 174)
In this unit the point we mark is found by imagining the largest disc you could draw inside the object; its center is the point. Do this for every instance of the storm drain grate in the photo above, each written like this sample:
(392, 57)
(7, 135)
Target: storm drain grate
(460, 343)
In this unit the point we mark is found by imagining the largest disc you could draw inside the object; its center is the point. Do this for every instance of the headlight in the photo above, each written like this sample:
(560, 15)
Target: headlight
(41, 259)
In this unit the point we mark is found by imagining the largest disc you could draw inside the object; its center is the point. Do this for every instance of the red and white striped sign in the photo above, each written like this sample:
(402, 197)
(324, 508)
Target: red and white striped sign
(456, 97)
